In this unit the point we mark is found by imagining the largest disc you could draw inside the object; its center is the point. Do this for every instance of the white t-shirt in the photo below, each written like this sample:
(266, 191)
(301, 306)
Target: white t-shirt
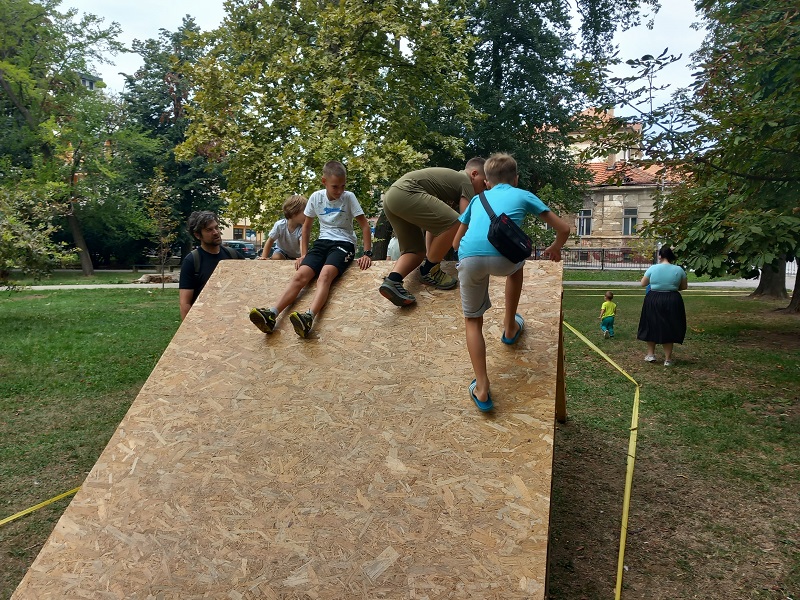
(335, 216)
(288, 242)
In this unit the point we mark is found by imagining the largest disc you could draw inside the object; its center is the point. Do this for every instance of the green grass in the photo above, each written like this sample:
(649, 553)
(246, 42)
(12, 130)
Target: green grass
(734, 381)
(71, 363)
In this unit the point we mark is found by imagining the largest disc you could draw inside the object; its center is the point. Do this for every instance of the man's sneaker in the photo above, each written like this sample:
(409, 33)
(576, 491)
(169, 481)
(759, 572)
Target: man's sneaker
(302, 323)
(264, 319)
(651, 358)
(439, 279)
(396, 293)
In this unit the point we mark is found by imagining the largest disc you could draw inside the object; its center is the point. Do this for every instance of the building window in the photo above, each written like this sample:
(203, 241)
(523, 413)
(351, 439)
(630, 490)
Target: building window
(238, 233)
(629, 221)
(585, 222)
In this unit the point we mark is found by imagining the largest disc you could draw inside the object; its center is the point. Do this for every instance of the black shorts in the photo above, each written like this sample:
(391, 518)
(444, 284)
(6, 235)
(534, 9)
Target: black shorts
(329, 252)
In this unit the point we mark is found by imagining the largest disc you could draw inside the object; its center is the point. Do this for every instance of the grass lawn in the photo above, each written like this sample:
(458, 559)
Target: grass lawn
(714, 511)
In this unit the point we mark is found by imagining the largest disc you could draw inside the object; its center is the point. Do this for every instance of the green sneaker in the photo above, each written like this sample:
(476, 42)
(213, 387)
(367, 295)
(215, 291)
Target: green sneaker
(264, 319)
(439, 279)
(302, 323)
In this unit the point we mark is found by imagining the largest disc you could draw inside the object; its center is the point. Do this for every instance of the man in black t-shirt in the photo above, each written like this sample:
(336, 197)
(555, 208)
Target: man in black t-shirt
(204, 226)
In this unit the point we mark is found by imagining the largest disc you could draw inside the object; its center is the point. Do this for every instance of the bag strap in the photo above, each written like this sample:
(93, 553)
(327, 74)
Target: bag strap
(196, 259)
(486, 207)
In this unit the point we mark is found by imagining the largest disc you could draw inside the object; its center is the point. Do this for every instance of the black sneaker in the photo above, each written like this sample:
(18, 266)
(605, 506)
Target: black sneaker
(302, 323)
(264, 319)
(396, 293)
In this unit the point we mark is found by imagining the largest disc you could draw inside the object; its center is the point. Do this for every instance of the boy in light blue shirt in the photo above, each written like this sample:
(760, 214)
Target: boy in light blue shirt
(478, 259)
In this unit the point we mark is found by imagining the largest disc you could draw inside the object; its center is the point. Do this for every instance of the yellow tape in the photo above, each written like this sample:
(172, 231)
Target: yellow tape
(626, 499)
(38, 506)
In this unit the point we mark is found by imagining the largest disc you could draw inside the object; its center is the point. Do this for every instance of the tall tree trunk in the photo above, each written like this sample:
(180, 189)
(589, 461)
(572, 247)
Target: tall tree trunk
(794, 304)
(380, 241)
(772, 283)
(80, 243)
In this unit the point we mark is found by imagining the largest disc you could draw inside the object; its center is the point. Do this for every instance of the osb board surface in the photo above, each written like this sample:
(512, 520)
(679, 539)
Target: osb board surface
(349, 465)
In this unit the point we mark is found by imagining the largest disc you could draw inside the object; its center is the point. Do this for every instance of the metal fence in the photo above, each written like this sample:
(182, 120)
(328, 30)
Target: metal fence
(607, 259)
(603, 259)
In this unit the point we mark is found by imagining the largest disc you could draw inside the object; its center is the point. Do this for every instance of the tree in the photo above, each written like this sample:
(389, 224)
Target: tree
(522, 70)
(159, 208)
(287, 87)
(737, 211)
(43, 54)
(26, 226)
(156, 98)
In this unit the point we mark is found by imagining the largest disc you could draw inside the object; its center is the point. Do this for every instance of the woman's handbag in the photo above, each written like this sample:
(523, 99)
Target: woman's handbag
(507, 236)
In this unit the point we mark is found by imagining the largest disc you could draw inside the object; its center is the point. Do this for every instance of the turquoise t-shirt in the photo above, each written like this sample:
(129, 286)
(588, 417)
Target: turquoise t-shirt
(665, 277)
(503, 198)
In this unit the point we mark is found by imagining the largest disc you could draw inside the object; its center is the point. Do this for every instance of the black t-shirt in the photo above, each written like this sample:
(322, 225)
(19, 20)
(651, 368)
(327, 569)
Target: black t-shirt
(208, 262)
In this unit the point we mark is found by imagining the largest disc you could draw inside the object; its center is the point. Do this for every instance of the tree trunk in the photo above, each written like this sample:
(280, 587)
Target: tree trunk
(772, 283)
(794, 304)
(380, 242)
(80, 243)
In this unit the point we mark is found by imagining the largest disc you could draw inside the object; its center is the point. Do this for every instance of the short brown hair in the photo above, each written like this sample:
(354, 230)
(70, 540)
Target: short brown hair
(475, 163)
(334, 169)
(501, 168)
(294, 204)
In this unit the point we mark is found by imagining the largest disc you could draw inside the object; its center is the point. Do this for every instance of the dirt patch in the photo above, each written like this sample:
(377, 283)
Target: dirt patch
(770, 340)
(688, 537)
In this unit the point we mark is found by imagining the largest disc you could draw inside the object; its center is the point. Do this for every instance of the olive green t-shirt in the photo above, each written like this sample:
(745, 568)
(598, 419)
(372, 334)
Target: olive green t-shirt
(446, 184)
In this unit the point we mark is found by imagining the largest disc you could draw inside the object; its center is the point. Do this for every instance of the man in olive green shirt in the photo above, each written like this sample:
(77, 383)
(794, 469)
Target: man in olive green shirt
(428, 200)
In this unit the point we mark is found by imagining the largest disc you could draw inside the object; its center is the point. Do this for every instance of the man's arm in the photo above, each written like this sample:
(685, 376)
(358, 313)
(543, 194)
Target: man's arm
(185, 301)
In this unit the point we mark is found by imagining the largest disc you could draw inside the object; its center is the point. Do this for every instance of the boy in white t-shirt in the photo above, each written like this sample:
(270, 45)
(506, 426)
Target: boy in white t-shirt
(284, 237)
(329, 257)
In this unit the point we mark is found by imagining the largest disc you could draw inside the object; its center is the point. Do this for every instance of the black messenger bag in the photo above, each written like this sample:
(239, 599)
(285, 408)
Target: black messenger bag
(507, 236)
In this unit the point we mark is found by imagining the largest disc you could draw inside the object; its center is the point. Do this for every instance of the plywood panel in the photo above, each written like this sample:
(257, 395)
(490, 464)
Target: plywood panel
(351, 464)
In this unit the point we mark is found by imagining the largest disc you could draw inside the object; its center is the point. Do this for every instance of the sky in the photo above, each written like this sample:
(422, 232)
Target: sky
(142, 19)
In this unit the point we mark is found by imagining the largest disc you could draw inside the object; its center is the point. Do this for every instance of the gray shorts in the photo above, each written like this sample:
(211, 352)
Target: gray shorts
(473, 281)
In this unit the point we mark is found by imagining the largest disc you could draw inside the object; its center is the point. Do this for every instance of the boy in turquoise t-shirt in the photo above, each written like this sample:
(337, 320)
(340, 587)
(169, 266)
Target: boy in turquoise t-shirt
(608, 311)
(478, 260)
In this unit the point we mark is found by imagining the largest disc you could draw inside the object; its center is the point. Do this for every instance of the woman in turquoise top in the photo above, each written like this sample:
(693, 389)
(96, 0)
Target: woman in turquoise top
(663, 319)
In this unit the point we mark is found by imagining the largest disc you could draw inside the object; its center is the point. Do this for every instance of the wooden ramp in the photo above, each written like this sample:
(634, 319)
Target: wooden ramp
(349, 465)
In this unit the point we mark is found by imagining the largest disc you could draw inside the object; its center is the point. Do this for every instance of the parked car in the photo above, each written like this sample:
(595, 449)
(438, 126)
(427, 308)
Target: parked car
(246, 249)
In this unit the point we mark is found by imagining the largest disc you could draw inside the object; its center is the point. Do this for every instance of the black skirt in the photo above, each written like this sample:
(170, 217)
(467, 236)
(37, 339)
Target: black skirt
(663, 318)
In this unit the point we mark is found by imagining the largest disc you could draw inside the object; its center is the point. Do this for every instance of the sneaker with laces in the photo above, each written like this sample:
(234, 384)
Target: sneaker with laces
(302, 323)
(606, 335)
(667, 363)
(396, 293)
(651, 358)
(264, 319)
(439, 279)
